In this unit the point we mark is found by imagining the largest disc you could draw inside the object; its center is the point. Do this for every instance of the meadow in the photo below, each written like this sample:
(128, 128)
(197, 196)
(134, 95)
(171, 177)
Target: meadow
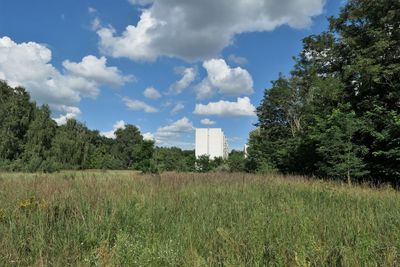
(122, 218)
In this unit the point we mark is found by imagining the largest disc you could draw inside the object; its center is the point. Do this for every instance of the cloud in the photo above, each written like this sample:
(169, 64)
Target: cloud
(166, 104)
(173, 131)
(188, 76)
(151, 93)
(148, 136)
(95, 69)
(140, 2)
(242, 107)
(207, 122)
(172, 134)
(134, 104)
(92, 10)
(237, 59)
(96, 24)
(225, 80)
(111, 134)
(69, 113)
(134, 43)
(179, 106)
(28, 65)
(204, 90)
(199, 30)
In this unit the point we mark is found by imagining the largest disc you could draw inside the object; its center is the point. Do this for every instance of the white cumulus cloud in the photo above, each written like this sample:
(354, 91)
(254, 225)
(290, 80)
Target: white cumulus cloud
(225, 80)
(111, 134)
(28, 65)
(207, 121)
(198, 30)
(68, 113)
(242, 107)
(92, 10)
(173, 131)
(134, 43)
(148, 136)
(188, 76)
(179, 106)
(151, 93)
(135, 104)
(95, 69)
(140, 2)
(237, 59)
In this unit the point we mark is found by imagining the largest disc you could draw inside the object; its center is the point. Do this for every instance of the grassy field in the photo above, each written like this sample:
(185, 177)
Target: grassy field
(127, 219)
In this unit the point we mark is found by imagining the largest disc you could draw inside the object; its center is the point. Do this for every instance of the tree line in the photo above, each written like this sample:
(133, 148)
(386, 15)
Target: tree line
(337, 114)
(31, 141)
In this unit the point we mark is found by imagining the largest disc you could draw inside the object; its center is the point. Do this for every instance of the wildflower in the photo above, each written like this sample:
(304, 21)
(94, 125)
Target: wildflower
(25, 204)
(32, 203)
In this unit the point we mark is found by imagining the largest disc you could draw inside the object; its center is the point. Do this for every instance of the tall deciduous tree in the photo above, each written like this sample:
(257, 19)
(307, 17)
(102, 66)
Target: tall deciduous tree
(337, 114)
(39, 140)
(16, 113)
(127, 144)
(368, 45)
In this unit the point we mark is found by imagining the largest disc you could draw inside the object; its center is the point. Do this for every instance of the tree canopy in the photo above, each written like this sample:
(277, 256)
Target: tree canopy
(337, 114)
(31, 140)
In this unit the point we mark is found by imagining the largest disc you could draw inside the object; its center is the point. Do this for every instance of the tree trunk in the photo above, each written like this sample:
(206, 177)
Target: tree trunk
(348, 177)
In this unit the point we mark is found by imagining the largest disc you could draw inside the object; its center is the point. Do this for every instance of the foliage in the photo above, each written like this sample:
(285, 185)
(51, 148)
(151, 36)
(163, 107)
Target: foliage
(236, 161)
(341, 156)
(174, 159)
(16, 112)
(203, 163)
(337, 114)
(31, 140)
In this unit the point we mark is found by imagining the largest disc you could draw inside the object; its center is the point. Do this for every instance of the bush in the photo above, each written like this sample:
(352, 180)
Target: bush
(266, 167)
(203, 164)
(148, 166)
(222, 168)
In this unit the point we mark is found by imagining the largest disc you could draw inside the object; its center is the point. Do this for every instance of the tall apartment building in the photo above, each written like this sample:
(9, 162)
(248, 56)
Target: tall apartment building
(211, 142)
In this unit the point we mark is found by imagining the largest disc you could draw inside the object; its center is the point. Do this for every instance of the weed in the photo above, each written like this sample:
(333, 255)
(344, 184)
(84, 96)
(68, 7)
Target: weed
(124, 218)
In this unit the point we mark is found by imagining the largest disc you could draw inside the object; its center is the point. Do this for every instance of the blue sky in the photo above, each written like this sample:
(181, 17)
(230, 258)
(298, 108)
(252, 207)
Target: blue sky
(166, 66)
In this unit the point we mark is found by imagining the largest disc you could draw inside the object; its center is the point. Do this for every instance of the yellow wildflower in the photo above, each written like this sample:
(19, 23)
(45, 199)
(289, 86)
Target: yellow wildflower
(25, 204)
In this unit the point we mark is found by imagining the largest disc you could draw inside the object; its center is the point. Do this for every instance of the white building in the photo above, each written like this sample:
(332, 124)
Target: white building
(211, 142)
(246, 147)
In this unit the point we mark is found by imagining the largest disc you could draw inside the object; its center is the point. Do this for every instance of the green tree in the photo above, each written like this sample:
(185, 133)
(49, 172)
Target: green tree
(174, 159)
(72, 145)
(203, 163)
(16, 113)
(169, 158)
(236, 161)
(368, 56)
(143, 157)
(305, 123)
(341, 157)
(127, 146)
(39, 138)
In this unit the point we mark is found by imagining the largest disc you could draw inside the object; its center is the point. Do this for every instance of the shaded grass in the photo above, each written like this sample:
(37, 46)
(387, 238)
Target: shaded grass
(127, 219)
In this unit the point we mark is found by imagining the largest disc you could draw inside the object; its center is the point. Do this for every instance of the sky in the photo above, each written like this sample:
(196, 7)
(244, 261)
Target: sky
(165, 66)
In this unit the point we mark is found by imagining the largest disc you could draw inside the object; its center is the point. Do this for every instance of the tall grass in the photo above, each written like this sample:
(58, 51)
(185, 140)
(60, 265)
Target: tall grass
(128, 219)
